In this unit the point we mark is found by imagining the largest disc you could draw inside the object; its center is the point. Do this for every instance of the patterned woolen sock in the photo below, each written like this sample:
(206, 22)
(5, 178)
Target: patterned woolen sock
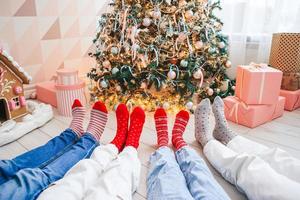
(222, 131)
(203, 133)
(137, 120)
(98, 120)
(78, 113)
(122, 127)
(161, 124)
(182, 119)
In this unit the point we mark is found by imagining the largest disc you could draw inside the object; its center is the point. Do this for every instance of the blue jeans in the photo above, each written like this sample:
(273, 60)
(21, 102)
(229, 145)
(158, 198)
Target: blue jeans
(184, 176)
(38, 157)
(28, 183)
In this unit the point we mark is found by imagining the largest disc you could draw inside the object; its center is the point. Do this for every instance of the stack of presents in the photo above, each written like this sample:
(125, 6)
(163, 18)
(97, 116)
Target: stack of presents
(264, 91)
(62, 91)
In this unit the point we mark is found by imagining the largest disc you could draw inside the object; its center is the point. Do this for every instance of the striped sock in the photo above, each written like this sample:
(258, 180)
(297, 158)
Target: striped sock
(182, 118)
(122, 127)
(98, 120)
(137, 120)
(161, 124)
(78, 113)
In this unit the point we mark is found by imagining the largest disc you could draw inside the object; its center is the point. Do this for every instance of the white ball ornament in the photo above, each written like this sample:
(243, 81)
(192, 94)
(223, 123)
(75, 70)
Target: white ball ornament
(115, 70)
(211, 50)
(114, 50)
(198, 45)
(166, 105)
(233, 88)
(218, 90)
(171, 75)
(103, 84)
(221, 45)
(156, 14)
(184, 63)
(197, 74)
(210, 92)
(189, 105)
(147, 22)
(228, 64)
(106, 64)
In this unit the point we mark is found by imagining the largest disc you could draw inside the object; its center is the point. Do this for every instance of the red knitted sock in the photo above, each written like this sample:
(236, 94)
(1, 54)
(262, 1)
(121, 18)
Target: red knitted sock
(122, 127)
(98, 120)
(161, 124)
(182, 118)
(137, 120)
(78, 113)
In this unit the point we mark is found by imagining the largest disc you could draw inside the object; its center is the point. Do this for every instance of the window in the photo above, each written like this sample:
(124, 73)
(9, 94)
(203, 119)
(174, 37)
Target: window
(17, 102)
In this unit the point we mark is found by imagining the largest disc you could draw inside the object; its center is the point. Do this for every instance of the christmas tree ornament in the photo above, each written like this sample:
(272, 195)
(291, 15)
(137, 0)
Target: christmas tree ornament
(182, 37)
(182, 3)
(233, 88)
(228, 64)
(211, 50)
(174, 61)
(225, 85)
(115, 70)
(198, 74)
(218, 90)
(156, 14)
(221, 45)
(114, 50)
(197, 28)
(199, 45)
(118, 88)
(188, 14)
(210, 92)
(146, 22)
(103, 84)
(143, 85)
(171, 74)
(166, 105)
(189, 105)
(184, 63)
(106, 64)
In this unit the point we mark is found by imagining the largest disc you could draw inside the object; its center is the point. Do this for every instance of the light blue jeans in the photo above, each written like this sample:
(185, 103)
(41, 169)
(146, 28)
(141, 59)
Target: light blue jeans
(28, 183)
(183, 175)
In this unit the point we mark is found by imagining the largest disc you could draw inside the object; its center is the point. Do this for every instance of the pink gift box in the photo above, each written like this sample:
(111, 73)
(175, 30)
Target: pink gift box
(292, 99)
(252, 115)
(46, 92)
(258, 84)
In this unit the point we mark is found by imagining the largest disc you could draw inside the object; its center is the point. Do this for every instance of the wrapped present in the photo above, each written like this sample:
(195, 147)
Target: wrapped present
(67, 76)
(292, 99)
(258, 84)
(285, 52)
(252, 115)
(291, 81)
(46, 92)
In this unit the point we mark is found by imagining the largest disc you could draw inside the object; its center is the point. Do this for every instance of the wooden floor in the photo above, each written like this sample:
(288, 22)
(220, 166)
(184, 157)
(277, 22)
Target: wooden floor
(283, 132)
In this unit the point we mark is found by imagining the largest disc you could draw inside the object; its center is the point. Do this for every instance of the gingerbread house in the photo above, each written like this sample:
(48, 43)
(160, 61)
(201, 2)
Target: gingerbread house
(12, 78)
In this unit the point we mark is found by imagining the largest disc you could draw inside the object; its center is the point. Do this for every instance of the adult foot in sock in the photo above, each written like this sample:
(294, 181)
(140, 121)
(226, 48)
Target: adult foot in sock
(161, 124)
(137, 120)
(203, 133)
(122, 127)
(182, 119)
(222, 132)
(98, 120)
(78, 113)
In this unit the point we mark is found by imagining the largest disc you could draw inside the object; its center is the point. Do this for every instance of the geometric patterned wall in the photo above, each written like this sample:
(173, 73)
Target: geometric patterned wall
(44, 35)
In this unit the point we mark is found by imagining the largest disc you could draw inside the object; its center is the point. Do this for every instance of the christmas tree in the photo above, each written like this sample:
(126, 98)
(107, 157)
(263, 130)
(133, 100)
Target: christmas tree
(168, 53)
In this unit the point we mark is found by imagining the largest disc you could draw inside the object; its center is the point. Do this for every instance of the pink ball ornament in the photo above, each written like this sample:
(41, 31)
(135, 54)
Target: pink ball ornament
(171, 75)
(147, 22)
(228, 64)
(197, 74)
(156, 14)
(198, 44)
(143, 85)
(210, 92)
(188, 14)
(181, 37)
(106, 64)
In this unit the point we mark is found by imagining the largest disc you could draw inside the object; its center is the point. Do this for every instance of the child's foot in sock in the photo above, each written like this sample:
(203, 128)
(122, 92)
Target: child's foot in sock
(98, 120)
(161, 124)
(137, 120)
(182, 119)
(202, 128)
(122, 127)
(222, 131)
(78, 113)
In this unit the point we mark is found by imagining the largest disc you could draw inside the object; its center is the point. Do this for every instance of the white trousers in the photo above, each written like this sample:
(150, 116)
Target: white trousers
(106, 175)
(260, 172)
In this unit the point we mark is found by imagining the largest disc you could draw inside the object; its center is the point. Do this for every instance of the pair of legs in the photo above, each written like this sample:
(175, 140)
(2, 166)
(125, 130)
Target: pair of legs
(256, 170)
(184, 175)
(25, 176)
(108, 174)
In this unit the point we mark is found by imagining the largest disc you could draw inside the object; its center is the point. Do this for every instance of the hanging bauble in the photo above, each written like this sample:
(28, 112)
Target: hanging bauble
(135, 47)
(233, 88)
(198, 74)
(228, 64)
(146, 21)
(174, 61)
(210, 92)
(224, 86)
(211, 50)
(118, 88)
(189, 105)
(218, 90)
(181, 37)
(198, 44)
(188, 14)
(103, 84)
(114, 50)
(184, 63)
(221, 45)
(171, 75)
(166, 105)
(156, 14)
(115, 70)
(182, 3)
(143, 85)
(106, 64)
(197, 28)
